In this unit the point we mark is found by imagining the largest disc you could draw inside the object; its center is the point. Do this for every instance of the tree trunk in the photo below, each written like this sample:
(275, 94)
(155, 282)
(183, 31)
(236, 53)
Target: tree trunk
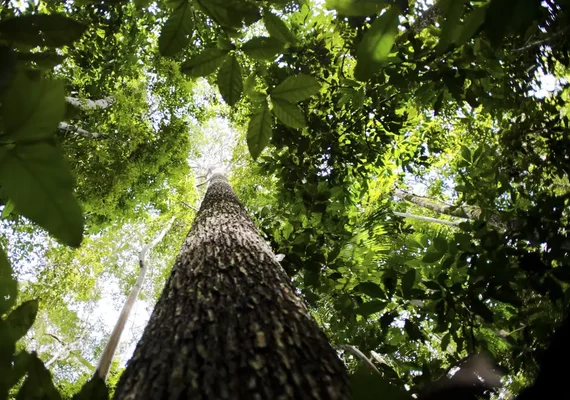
(111, 347)
(64, 126)
(229, 324)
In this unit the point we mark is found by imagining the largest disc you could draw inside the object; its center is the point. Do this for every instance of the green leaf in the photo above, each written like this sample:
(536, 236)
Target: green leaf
(296, 88)
(377, 44)
(440, 244)
(8, 285)
(8, 209)
(451, 26)
(262, 48)
(356, 8)
(432, 257)
(204, 63)
(21, 320)
(277, 28)
(38, 385)
(466, 153)
(230, 80)
(371, 307)
(36, 178)
(408, 281)
(177, 30)
(32, 109)
(54, 30)
(259, 130)
(94, 389)
(479, 308)
(140, 4)
(368, 385)
(472, 22)
(370, 289)
(288, 113)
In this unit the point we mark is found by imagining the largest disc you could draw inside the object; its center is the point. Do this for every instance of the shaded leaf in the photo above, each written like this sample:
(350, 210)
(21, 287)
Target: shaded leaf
(21, 319)
(277, 28)
(408, 281)
(176, 31)
(94, 389)
(54, 30)
(46, 60)
(230, 80)
(262, 48)
(368, 385)
(377, 43)
(204, 63)
(413, 331)
(296, 88)
(445, 341)
(38, 384)
(259, 130)
(432, 257)
(440, 244)
(36, 178)
(371, 307)
(8, 285)
(357, 7)
(288, 113)
(370, 289)
(479, 308)
(32, 109)
(472, 22)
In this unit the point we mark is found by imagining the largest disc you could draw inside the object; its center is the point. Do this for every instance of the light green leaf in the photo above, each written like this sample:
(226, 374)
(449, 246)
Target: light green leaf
(8, 209)
(355, 8)
(296, 88)
(204, 63)
(288, 113)
(262, 48)
(230, 80)
(259, 130)
(277, 28)
(8, 285)
(177, 30)
(53, 30)
(39, 183)
(32, 109)
(377, 44)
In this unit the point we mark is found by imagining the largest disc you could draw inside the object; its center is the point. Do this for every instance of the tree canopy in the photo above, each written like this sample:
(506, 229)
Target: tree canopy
(409, 159)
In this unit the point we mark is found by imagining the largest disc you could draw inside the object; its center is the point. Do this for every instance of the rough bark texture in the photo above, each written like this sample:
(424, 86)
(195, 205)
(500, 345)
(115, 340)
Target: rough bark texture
(228, 324)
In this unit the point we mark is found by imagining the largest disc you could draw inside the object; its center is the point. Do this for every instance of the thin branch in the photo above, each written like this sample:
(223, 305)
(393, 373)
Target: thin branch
(427, 219)
(189, 206)
(64, 126)
(359, 354)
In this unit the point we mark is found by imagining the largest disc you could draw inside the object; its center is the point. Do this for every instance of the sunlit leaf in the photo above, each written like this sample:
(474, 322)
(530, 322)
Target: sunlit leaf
(288, 113)
(296, 88)
(259, 130)
(177, 30)
(36, 178)
(53, 30)
(230, 80)
(204, 63)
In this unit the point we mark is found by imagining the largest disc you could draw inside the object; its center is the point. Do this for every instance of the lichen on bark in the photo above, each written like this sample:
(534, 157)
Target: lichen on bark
(229, 324)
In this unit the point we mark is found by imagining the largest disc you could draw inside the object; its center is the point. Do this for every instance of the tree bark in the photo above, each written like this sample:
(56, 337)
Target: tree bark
(111, 347)
(64, 126)
(90, 105)
(229, 324)
(427, 219)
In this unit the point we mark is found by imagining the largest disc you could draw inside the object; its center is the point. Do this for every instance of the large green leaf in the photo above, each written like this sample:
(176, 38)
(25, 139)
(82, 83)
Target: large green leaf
(32, 109)
(53, 30)
(262, 48)
(371, 307)
(20, 320)
(230, 80)
(288, 113)
(408, 281)
(94, 389)
(471, 24)
(451, 26)
(377, 43)
(296, 88)
(277, 28)
(36, 179)
(8, 285)
(370, 289)
(368, 385)
(204, 63)
(259, 130)
(177, 30)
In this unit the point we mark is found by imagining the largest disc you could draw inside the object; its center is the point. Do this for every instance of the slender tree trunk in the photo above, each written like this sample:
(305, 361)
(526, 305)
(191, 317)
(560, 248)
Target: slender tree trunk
(111, 347)
(64, 126)
(229, 324)
(427, 219)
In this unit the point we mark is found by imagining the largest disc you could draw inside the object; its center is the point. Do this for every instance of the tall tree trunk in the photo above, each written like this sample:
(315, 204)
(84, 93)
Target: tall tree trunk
(229, 324)
(111, 347)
